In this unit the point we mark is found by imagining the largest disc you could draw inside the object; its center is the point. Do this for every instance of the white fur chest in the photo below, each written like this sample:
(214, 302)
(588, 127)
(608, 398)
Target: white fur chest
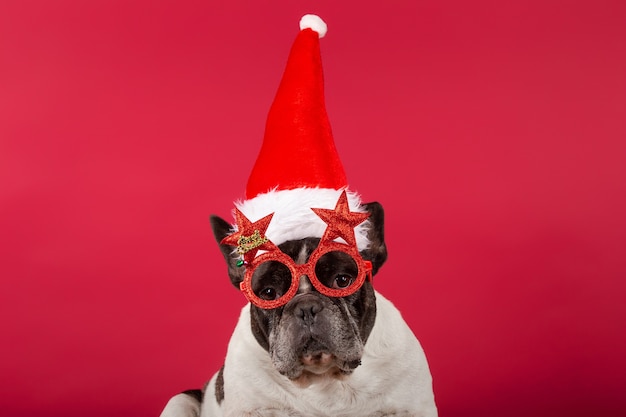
(393, 378)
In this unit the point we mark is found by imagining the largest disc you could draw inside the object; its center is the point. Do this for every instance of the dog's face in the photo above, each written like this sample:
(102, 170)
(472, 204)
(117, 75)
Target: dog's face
(313, 335)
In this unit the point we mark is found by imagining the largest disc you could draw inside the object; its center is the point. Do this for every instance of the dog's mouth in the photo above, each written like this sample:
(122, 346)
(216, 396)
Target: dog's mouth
(319, 362)
(318, 366)
(317, 358)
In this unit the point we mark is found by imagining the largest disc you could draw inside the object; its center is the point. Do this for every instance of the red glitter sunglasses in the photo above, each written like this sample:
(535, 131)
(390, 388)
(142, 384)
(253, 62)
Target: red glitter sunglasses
(335, 270)
(272, 278)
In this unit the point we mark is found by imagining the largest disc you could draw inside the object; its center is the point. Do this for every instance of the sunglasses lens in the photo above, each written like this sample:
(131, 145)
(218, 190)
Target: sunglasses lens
(271, 280)
(337, 270)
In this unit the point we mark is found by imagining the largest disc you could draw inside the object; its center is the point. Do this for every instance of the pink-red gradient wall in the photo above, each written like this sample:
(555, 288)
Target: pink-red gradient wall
(492, 132)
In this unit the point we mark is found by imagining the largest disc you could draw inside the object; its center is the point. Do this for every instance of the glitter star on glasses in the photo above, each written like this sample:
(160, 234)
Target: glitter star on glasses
(341, 221)
(250, 236)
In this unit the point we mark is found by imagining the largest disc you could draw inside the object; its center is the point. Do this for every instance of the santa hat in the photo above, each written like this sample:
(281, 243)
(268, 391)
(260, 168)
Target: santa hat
(298, 167)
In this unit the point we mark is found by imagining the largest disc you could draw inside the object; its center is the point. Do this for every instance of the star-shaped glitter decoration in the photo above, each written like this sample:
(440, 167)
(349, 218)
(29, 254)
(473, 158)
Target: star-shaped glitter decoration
(341, 221)
(249, 237)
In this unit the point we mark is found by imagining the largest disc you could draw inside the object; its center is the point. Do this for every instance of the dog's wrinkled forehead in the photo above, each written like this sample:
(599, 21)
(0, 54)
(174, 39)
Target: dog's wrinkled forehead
(299, 250)
(294, 218)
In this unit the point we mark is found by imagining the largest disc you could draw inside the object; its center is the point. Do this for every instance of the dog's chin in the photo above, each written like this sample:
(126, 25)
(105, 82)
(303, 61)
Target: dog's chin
(317, 374)
(307, 378)
(319, 367)
(319, 363)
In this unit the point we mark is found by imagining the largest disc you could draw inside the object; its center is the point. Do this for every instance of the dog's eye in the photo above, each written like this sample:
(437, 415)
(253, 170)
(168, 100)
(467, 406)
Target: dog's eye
(271, 280)
(342, 281)
(267, 293)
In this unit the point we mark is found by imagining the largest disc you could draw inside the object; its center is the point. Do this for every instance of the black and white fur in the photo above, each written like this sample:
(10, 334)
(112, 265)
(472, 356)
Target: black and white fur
(317, 356)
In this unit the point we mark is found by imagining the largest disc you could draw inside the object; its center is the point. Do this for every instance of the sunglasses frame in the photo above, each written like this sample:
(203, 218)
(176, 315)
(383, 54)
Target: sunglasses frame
(298, 270)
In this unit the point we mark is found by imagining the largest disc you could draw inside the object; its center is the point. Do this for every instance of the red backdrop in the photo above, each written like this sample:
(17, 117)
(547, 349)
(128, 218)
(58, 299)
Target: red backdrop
(492, 132)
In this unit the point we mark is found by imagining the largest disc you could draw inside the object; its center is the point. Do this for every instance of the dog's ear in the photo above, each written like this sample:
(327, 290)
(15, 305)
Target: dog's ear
(221, 229)
(377, 251)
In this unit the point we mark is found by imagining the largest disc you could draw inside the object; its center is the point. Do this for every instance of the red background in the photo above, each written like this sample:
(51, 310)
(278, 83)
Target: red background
(492, 132)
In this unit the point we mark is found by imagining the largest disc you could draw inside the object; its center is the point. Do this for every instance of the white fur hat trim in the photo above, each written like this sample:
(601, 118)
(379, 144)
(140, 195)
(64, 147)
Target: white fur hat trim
(293, 218)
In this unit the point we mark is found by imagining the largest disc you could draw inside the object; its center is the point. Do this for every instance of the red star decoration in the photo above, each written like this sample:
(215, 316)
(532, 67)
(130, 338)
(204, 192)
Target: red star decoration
(341, 221)
(246, 228)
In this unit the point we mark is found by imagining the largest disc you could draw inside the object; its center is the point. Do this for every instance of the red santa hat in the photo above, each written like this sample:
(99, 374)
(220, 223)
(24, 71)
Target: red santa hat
(298, 167)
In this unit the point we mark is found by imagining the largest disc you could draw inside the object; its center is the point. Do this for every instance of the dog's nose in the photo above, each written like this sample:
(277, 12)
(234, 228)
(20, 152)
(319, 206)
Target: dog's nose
(307, 309)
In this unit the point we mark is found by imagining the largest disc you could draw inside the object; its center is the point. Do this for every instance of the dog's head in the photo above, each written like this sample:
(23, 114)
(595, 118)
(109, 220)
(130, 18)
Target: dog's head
(313, 335)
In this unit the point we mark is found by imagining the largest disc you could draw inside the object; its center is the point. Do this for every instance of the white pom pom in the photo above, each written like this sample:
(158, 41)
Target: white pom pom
(311, 21)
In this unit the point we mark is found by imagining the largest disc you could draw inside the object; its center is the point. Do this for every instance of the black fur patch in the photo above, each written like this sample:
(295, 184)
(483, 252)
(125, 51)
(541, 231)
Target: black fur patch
(219, 386)
(260, 323)
(194, 393)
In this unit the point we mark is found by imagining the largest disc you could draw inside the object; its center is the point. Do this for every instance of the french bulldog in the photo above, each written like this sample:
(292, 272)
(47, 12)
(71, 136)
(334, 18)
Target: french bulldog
(316, 355)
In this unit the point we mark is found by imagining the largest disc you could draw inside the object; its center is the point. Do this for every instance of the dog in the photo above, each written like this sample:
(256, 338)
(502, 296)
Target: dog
(316, 355)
